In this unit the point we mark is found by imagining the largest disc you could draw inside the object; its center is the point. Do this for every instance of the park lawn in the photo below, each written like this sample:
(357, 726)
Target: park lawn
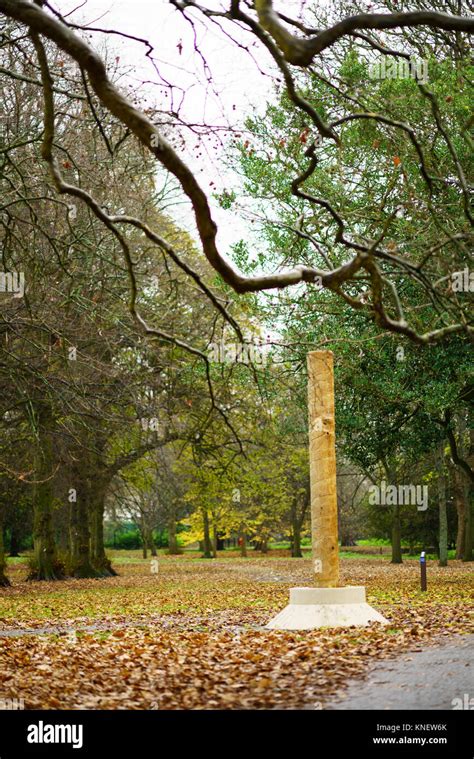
(192, 636)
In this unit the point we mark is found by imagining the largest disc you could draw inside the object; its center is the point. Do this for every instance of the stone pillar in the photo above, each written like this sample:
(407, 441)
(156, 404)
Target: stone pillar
(322, 460)
(327, 604)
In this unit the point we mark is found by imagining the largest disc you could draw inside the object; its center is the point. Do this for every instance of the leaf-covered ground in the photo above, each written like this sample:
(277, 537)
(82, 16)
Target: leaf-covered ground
(192, 636)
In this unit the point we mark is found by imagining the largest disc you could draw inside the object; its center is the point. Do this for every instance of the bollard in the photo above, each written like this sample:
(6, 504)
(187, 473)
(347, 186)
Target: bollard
(423, 570)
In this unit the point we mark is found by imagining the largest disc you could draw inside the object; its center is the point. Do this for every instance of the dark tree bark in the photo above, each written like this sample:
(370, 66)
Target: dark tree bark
(214, 542)
(207, 536)
(443, 516)
(45, 563)
(295, 532)
(243, 542)
(100, 560)
(151, 541)
(460, 505)
(14, 542)
(143, 533)
(469, 524)
(298, 521)
(396, 536)
(462, 449)
(80, 558)
(87, 552)
(173, 547)
(4, 581)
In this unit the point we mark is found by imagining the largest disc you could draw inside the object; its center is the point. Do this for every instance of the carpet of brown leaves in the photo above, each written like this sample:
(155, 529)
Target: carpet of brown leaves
(192, 636)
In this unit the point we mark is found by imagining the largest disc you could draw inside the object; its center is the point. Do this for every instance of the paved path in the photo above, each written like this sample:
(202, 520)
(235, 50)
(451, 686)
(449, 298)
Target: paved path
(429, 679)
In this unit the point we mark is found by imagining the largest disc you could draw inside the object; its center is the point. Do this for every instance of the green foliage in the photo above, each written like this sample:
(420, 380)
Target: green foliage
(125, 539)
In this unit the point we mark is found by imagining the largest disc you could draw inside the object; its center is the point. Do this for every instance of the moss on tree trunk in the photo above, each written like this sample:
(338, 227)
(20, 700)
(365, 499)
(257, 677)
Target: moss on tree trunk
(80, 558)
(99, 558)
(45, 564)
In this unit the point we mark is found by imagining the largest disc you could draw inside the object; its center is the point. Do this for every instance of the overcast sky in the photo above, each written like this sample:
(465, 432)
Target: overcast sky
(237, 86)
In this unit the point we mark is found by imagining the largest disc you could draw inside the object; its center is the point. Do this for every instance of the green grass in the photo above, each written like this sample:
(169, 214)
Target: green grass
(373, 542)
(135, 556)
(354, 555)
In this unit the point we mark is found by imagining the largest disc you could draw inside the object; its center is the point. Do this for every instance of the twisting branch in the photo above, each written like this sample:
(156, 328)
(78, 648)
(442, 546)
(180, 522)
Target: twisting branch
(140, 125)
(301, 51)
(284, 47)
(453, 446)
(63, 187)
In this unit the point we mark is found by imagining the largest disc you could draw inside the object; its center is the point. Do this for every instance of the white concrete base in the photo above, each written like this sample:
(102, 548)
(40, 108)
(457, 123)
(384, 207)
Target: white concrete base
(325, 607)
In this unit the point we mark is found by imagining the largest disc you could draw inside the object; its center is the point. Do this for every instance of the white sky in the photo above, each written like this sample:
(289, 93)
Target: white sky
(237, 86)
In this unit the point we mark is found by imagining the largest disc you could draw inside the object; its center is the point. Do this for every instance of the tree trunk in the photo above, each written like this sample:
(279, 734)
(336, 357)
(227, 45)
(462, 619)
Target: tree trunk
(144, 535)
(80, 558)
(151, 543)
(214, 542)
(45, 561)
(14, 543)
(207, 536)
(468, 522)
(243, 543)
(99, 558)
(465, 446)
(4, 581)
(443, 516)
(172, 538)
(296, 533)
(396, 536)
(460, 504)
(45, 564)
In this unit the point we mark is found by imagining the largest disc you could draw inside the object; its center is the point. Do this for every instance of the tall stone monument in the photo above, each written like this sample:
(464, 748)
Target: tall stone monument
(326, 603)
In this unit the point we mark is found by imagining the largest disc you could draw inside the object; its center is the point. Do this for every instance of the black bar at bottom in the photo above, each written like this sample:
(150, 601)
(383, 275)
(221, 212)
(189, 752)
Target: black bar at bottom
(311, 733)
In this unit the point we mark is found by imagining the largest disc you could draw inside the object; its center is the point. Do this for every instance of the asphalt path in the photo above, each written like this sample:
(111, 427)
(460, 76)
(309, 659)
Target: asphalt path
(439, 677)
